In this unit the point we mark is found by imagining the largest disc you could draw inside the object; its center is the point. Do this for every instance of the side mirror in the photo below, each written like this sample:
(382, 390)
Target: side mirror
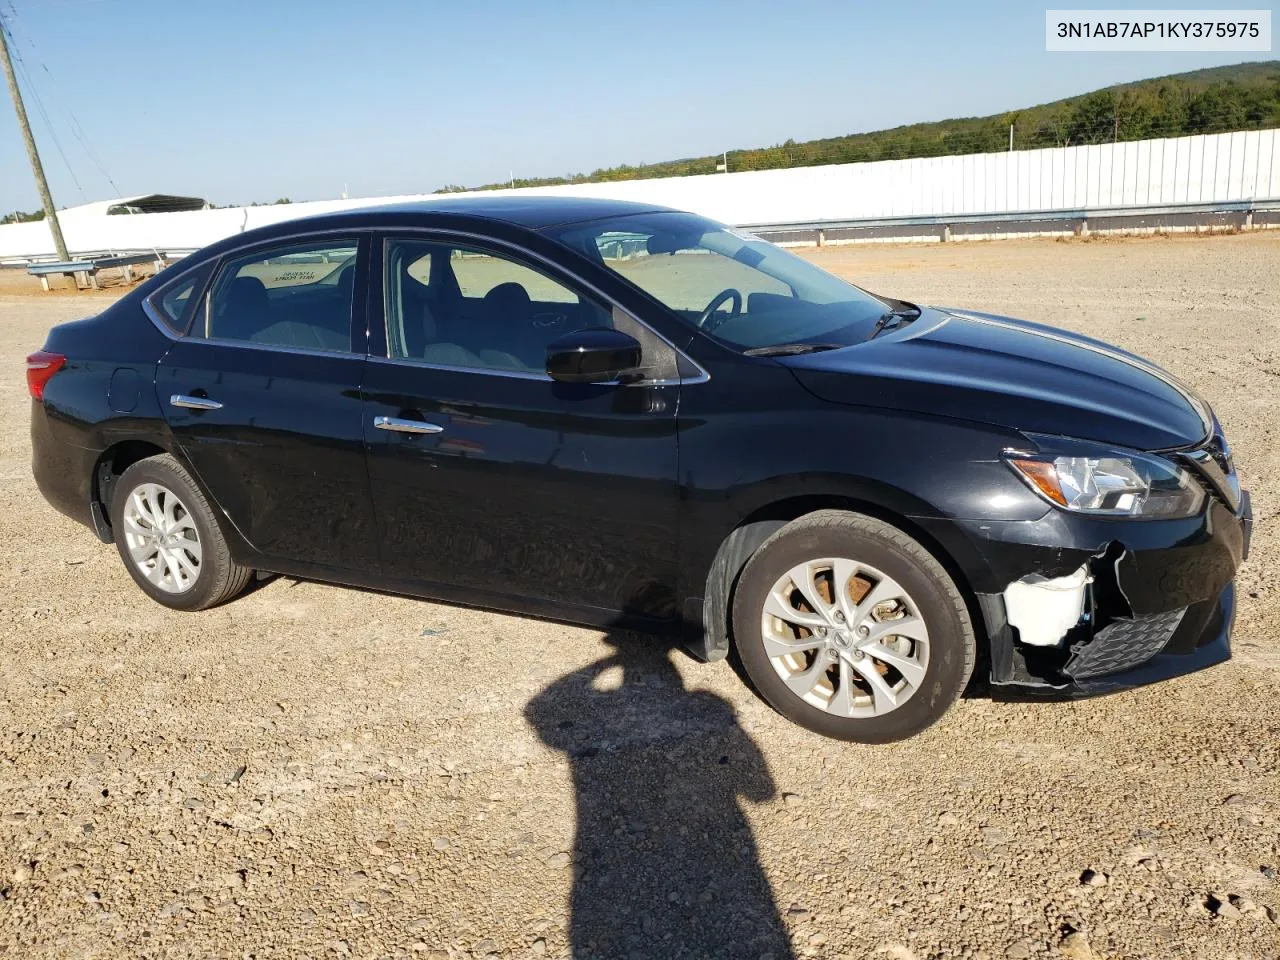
(594, 355)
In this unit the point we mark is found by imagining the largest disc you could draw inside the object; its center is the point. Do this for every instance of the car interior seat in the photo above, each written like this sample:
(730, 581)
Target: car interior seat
(439, 351)
(508, 328)
(245, 311)
(346, 283)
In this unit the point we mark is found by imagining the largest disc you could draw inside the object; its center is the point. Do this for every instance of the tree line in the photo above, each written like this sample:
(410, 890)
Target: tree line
(1219, 100)
(20, 216)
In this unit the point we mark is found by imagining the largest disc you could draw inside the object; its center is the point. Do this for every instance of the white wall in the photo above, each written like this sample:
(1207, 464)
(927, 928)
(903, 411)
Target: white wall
(1221, 168)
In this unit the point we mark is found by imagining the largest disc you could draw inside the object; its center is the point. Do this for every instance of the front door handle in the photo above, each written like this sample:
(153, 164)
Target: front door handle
(406, 426)
(193, 403)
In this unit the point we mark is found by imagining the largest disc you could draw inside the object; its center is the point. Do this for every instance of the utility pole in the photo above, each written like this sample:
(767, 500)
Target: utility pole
(50, 213)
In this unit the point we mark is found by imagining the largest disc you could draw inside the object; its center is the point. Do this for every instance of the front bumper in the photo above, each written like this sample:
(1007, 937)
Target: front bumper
(1160, 604)
(1200, 639)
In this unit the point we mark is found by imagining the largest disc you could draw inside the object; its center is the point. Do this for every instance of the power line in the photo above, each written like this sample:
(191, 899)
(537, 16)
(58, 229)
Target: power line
(44, 114)
(74, 126)
(33, 154)
(77, 130)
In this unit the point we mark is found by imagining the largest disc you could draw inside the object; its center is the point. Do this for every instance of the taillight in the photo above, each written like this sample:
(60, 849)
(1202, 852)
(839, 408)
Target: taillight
(41, 366)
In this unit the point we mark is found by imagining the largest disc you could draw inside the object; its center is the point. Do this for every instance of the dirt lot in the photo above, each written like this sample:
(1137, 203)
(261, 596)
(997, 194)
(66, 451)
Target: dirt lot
(315, 771)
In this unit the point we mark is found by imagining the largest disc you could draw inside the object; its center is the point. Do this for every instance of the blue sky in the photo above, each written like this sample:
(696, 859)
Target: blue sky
(241, 100)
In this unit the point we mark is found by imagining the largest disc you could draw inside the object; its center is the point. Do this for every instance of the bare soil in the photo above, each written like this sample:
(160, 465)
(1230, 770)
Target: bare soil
(16, 282)
(317, 771)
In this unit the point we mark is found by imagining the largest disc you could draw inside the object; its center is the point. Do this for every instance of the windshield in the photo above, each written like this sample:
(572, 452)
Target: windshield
(741, 290)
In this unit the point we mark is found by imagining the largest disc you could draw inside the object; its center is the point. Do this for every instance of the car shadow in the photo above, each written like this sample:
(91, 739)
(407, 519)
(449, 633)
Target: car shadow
(665, 861)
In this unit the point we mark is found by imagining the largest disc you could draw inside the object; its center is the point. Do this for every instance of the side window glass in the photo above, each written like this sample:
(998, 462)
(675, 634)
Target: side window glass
(419, 270)
(297, 295)
(479, 273)
(691, 277)
(175, 302)
(477, 309)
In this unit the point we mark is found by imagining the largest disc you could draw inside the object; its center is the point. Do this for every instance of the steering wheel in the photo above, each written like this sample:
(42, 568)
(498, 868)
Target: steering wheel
(724, 296)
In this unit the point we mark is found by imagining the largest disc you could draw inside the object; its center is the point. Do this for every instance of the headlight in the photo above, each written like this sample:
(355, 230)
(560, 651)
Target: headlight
(1111, 483)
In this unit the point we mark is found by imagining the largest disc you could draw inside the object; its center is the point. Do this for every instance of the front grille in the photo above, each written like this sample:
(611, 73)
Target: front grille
(1123, 644)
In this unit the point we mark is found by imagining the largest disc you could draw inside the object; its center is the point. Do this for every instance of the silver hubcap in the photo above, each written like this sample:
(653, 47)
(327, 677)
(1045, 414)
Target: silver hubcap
(162, 538)
(845, 637)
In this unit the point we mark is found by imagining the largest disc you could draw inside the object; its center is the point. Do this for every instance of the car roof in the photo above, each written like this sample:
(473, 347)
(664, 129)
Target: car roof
(532, 212)
(528, 213)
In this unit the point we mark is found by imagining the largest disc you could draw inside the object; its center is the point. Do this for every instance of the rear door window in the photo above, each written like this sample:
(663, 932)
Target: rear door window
(294, 295)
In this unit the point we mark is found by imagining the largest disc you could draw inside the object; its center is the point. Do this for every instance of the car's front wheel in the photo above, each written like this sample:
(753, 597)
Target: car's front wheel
(851, 628)
(169, 538)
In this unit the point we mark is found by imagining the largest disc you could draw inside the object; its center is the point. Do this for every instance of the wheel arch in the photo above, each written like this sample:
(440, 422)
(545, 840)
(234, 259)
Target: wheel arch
(714, 639)
(111, 463)
(119, 457)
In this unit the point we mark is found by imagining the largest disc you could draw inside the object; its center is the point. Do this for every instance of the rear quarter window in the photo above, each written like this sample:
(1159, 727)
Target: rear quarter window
(172, 305)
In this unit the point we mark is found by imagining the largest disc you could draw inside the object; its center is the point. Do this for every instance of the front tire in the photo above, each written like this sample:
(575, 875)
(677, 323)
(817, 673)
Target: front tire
(852, 629)
(169, 539)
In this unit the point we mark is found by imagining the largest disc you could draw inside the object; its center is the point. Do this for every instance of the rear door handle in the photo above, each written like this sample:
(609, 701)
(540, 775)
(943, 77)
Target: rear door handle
(406, 426)
(193, 403)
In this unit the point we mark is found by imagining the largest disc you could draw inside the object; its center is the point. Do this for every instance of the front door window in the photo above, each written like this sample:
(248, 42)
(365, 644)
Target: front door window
(468, 308)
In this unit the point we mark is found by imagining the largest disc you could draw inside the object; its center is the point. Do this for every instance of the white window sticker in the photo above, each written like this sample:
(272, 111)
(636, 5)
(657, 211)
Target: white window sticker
(1136, 31)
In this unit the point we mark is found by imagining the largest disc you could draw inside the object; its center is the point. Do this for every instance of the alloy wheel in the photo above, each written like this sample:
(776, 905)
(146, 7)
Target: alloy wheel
(845, 637)
(162, 538)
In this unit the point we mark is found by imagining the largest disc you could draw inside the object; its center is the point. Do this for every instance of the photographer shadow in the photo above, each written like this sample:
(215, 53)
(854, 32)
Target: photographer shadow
(665, 862)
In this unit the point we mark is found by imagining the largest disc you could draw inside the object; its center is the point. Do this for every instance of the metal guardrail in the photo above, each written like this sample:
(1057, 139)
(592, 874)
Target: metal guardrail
(81, 264)
(1243, 214)
(140, 255)
(85, 269)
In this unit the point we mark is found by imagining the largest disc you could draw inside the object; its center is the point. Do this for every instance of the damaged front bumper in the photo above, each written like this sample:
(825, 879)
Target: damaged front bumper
(1155, 599)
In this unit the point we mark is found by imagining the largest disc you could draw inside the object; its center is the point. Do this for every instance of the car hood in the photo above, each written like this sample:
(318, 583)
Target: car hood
(1011, 373)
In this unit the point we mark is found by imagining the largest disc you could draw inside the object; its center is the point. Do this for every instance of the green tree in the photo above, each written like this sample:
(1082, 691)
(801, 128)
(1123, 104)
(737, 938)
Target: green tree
(1240, 97)
(19, 216)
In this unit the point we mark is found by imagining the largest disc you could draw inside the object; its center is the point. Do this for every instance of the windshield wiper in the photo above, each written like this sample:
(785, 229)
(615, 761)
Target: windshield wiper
(792, 349)
(904, 314)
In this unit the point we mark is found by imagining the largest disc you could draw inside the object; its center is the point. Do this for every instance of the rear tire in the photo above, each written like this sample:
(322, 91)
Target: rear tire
(169, 539)
(852, 629)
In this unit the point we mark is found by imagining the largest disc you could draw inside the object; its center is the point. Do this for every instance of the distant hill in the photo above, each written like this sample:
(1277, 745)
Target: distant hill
(1243, 96)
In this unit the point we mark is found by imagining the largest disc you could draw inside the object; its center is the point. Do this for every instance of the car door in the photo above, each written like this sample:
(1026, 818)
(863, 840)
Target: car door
(263, 399)
(492, 479)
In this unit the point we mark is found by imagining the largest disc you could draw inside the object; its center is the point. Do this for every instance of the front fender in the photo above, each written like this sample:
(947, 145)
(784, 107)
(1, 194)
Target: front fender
(745, 468)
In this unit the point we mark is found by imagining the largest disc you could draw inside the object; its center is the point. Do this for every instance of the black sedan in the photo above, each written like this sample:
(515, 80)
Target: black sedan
(617, 414)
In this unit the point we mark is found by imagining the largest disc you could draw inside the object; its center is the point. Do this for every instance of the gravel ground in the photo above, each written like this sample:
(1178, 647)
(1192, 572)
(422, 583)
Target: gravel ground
(317, 771)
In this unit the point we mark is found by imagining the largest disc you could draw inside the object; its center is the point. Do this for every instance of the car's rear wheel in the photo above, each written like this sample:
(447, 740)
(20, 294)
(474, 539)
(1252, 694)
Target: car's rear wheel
(851, 628)
(169, 538)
